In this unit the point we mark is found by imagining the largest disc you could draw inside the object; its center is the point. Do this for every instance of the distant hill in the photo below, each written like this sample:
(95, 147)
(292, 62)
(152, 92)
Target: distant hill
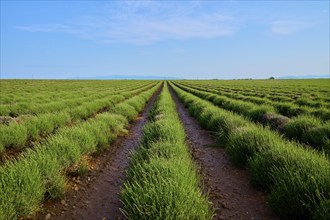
(305, 77)
(121, 77)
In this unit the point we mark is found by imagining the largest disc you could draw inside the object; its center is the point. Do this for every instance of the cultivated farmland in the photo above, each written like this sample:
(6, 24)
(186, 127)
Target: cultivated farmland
(239, 149)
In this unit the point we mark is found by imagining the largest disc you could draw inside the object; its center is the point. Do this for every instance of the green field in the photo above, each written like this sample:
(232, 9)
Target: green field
(287, 158)
(279, 130)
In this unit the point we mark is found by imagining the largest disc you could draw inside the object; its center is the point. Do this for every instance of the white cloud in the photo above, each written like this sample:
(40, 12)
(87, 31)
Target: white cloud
(288, 26)
(50, 28)
(145, 22)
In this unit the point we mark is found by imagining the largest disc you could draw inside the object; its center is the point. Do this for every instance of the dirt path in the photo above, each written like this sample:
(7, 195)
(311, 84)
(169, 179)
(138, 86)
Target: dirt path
(228, 186)
(96, 196)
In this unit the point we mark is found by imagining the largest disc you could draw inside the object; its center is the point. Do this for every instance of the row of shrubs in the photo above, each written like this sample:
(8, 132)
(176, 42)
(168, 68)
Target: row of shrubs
(306, 129)
(32, 105)
(260, 96)
(18, 135)
(287, 108)
(311, 93)
(297, 179)
(41, 173)
(163, 182)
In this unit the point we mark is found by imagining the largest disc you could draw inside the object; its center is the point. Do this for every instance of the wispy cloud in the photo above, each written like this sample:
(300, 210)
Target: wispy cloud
(145, 22)
(64, 28)
(289, 26)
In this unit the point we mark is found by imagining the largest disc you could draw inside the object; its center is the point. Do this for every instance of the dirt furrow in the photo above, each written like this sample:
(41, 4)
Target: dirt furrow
(96, 196)
(228, 186)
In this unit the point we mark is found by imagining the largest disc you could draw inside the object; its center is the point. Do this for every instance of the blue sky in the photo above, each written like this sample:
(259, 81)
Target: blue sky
(186, 39)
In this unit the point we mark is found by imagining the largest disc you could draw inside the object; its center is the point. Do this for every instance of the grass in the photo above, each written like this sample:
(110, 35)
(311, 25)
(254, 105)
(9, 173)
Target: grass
(298, 126)
(323, 210)
(289, 109)
(162, 180)
(297, 179)
(280, 101)
(14, 135)
(246, 141)
(295, 128)
(45, 124)
(33, 97)
(2, 149)
(322, 113)
(81, 168)
(127, 110)
(319, 137)
(40, 173)
(20, 195)
(33, 128)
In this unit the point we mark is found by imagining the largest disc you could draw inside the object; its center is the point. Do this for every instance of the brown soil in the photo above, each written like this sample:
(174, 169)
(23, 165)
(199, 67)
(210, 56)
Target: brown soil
(275, 121)
(228, 187)
(5, 120)
(9, 154)
(96, 196)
